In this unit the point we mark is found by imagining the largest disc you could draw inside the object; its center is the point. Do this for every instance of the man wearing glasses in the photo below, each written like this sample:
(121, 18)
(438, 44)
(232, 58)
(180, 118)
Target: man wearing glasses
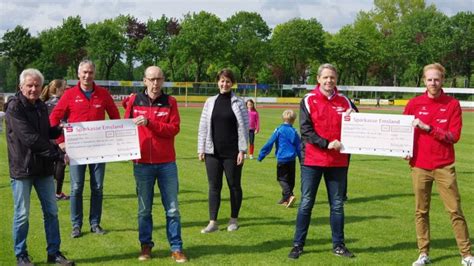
(157, 117)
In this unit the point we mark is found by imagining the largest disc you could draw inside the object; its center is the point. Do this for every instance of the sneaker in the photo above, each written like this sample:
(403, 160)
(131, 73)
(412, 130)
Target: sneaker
(211, 227)
(179, 256)
(76, 232)
(145, 254)
(290, 202)
(97, 229)
(283, 202)
(62, 196)
(59, 259)
(233, 225)
(295, 252)
(423, 259)
(23, 260)
(251, 157)
(342, 251)
(468, 261)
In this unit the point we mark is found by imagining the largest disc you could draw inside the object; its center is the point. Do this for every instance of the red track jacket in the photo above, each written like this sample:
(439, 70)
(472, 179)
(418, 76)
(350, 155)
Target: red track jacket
(75, 106)
(320, 123)
(443, 114)
(157, 137)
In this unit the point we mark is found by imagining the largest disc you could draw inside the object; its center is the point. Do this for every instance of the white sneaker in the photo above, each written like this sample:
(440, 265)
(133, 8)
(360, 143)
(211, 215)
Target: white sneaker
(211, 227)
(422, 260)
(233, 225)
(468, 261)
(251, 157)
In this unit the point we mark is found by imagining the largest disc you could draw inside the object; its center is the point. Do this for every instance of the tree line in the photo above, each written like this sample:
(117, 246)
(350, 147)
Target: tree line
(386, 46)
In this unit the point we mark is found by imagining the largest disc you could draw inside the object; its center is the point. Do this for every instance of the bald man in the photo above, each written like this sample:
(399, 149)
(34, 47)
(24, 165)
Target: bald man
(157, 117)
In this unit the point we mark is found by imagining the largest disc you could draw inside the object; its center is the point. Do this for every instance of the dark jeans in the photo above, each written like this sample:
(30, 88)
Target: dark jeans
(251, 136)
(286, 178)
(335, 180)
(166, 175)
(215, 167)
(78, 176)
(21, 189)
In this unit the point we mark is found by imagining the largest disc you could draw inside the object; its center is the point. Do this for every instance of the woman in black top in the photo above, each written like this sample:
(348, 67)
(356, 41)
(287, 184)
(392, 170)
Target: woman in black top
(222, 143)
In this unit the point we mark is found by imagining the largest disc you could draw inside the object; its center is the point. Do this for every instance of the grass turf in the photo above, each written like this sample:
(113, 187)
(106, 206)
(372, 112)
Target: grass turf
(379, 223)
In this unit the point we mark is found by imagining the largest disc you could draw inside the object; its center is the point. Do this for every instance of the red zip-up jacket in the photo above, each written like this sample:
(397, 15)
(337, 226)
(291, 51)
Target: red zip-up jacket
(435, 149)
(157, 137)
(320, 123)
(75, 107)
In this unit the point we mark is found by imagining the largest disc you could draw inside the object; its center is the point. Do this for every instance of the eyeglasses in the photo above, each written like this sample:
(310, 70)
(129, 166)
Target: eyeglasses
(154, 79)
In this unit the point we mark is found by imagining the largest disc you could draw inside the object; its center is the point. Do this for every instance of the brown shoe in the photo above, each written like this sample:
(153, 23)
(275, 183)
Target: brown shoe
(179, 256)
(146, 253)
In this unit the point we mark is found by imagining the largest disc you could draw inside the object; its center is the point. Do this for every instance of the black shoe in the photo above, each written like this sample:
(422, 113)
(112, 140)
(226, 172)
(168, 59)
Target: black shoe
(295, 252)
(59, 259)
(97, 229)
(23, 260)
(342, 251)
(76, 232)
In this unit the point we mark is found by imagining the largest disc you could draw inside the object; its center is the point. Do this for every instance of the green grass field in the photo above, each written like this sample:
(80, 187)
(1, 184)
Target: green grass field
(379, 225)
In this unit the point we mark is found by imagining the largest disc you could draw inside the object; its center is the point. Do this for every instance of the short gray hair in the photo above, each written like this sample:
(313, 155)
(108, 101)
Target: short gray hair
(31, 72)
(85, 62)
(326, 66)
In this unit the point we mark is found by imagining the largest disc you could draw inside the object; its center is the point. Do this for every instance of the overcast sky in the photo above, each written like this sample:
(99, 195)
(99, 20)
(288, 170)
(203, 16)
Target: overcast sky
(38, 15)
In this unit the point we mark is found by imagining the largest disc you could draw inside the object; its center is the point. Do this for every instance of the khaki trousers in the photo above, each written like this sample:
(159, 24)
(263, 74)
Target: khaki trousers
(445, 179)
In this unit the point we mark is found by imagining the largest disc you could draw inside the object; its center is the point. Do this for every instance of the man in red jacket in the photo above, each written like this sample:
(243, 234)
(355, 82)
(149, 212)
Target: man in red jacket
(157, 117)
(85, 102)
(320, 125)
(438, 122)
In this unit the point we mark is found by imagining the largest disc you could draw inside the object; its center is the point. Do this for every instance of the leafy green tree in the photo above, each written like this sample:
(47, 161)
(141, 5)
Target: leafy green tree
(106, 45)
(156, 46)
(387, 14)
(248, 36)
(422, 34)
(20, 48)
(62, 49)
(199, 42)
(295, 44)
(133, 31)
(460, 58)
(354, 50)
(350, 52)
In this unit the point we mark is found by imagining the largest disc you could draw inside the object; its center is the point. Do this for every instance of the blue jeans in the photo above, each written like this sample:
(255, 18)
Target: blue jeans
(78, 173)
(335, 179)
(45, 188)
(166, 175)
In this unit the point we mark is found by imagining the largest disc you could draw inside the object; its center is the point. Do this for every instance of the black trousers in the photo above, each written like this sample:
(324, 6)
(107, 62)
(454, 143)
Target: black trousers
(286, 178)
(215, 167)
(59, 168)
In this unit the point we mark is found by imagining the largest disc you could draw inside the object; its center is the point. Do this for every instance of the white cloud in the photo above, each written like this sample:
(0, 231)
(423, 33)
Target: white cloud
(38, 15)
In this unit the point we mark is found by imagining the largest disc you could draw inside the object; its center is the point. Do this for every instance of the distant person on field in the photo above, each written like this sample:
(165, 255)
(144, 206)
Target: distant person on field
(321, 113)
(50, 96)
(85, 102)
(31, 157)
(2, 115)
(287, 147)
(254, 125)
(157, 117)
(438, 123)
(222, 144)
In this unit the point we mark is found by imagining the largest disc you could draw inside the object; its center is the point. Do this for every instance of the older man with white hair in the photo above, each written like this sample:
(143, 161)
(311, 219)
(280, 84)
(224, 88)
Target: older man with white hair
(31, 157)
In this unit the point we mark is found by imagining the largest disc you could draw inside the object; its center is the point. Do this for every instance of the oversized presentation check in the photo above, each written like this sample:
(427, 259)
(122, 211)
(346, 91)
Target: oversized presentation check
(377, 134)
(102, 141)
